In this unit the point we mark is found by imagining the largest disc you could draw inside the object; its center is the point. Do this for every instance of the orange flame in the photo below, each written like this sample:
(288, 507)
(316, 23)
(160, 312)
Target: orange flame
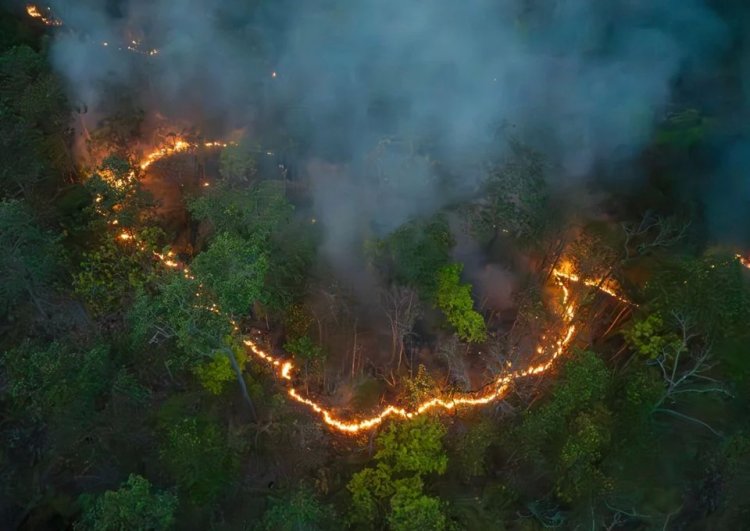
(48, 20)
(179, 146)
(496, 390)
(744, 261)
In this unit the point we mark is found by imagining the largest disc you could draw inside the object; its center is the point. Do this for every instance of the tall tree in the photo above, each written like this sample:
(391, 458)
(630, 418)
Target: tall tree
(454, 299)
(133, 506)
(34, 117)
(31, 259)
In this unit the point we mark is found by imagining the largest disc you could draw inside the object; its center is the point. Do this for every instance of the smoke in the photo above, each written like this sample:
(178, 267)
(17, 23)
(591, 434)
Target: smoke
(585, 79)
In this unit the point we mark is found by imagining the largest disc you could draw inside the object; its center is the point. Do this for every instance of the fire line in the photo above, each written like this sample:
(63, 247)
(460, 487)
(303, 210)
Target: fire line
(283, 368)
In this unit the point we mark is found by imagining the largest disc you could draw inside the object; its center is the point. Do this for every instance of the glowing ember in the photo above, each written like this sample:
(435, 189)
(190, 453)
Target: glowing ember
(497, 390)
(37, 13)
(179, 146)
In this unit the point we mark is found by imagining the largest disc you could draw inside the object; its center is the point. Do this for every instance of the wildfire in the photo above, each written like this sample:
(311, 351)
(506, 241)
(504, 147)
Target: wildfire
(179, 146)
(48, 20)
(497, 390)
(744, 261)
(38, 13)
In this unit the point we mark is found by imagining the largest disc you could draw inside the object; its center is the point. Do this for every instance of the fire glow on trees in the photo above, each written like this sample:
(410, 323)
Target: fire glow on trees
(551, 349)
(38, 13)
(49, 19)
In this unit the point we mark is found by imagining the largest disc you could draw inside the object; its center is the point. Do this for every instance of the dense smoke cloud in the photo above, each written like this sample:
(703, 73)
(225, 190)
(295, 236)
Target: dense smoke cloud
(587, 79)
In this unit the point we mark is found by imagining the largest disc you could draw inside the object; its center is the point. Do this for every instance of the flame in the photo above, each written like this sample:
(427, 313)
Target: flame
(497, 390)
(179, 146)
(743, 260)
(48, 20)
(608, 286)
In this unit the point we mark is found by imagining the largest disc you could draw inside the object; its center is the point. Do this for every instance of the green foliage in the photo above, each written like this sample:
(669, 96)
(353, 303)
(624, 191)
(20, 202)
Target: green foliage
(709, 291)
(454, 299)
(420, 387)
(197, 455)
(472, 446)
(406, 452)
(414, 253)
(109, 274)
(515, 198)
(297, 321)
(415, 446)
(299, 512)
(571, 431)
(683, 129)
(411, 509)
(132, 506)
(215, 373)
(584, 382)
(57, 386)
(117, 194)
(237, 163)
(180, 311)
(31, 257)
(291, 254)
(651, 338)
(233, 269)
(369, 488)
(34, 115)
(582, 451)
(253, 213)
(305, 348)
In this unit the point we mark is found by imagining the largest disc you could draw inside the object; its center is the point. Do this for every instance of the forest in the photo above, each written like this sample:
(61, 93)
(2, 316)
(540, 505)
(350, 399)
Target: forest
(375, 264)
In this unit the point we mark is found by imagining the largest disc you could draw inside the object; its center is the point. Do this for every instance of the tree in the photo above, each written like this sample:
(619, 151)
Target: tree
(406, 452)
(683, 358)
(118, 198)
(181, 311)
(412, 255)
(402, 308)
(237, 163)
(472, 446)
(308, 351)
(233, 269)
(299, 512)
(109, 273)
(30, 261)
(571, 431)
(133, 506)
(197, 456)
(454, 299)
(514, 199)
(252, 212)
(55, 383)
(34, 116)
(411, 509)
(709, 291)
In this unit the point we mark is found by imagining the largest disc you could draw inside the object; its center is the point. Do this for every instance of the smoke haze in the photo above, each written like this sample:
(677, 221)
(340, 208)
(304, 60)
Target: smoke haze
(585, 79)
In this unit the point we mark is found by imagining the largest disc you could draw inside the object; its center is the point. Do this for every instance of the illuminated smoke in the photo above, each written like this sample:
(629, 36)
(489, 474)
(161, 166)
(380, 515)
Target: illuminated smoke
(284, 368)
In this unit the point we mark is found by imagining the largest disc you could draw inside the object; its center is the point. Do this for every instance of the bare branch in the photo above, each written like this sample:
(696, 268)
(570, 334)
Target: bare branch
(688, 417)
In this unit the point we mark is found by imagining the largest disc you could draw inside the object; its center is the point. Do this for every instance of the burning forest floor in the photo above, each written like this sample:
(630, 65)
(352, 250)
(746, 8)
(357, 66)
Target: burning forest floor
(363, 392)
